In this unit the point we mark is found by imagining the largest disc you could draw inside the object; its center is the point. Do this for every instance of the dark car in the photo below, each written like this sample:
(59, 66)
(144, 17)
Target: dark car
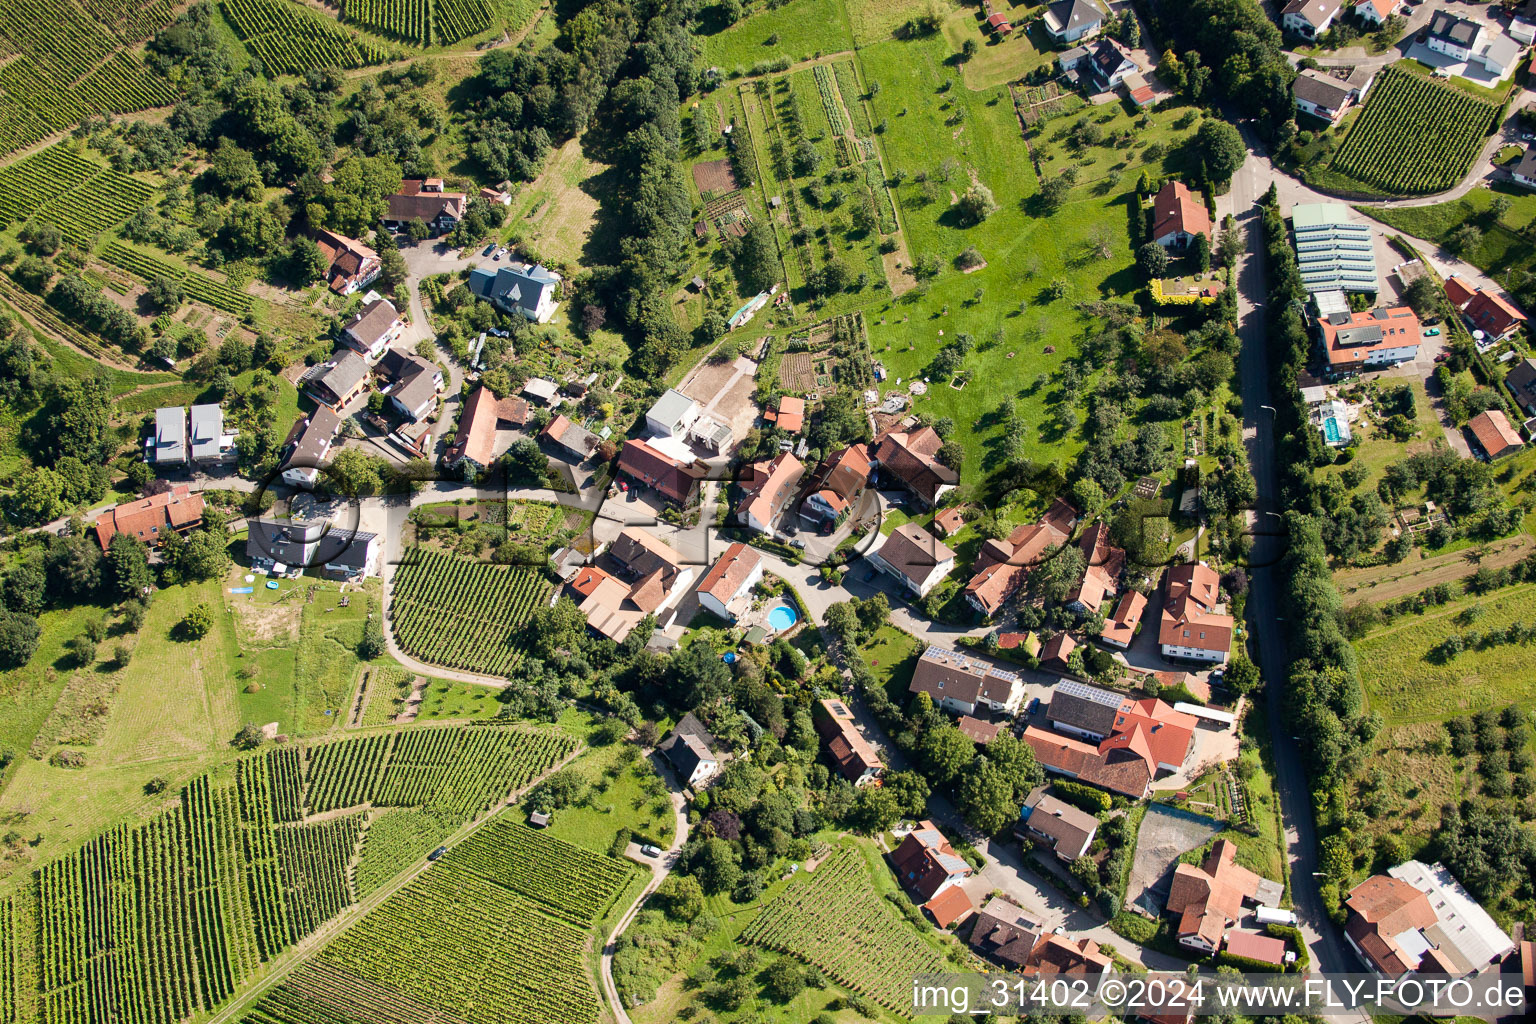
(435, 854)
(488, 249)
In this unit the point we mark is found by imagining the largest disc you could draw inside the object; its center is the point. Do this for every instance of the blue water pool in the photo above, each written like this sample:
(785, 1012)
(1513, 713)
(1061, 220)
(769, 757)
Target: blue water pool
(782, 617)
(1331, 430)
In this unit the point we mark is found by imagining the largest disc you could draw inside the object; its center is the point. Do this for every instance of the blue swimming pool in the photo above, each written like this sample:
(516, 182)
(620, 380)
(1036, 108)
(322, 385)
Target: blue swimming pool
(782, 617)
(1331, 430)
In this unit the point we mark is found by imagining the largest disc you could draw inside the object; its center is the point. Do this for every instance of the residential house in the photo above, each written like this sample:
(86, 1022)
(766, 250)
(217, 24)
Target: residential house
(837, 484)
(854, 757)
(209, 443)
(373, 329)
(672, 414)
(1194, 623)
(427, 201)
(1494, 435)
(474, 445)
(351, 266)
(1102, 566)
(1309, 18)
(337, 383)
(638, 576)
(414, 383)
(915, 557)
(1057, 954)
(1056, 653)
(1070, 21)
(1178, 216)
(726, 589)
(529, 291)
(790, 415)
(1117, 770)
(168, 445)
(1374, 12)
(950, 907)
(1149, 727)
(1369, 340)
(674, 480)
(690, 750)
(1522, 27)
(1101, 66)
(978, 731)
(575, 441)
(1521, 382)
(1492, 315)
(1455, 37)
(1524, 171)
(1121, 625)
(337, 552)
(959, 683)
(1418, 918)
(768, 487)
(911, 460)
(1001, 565)
(1321, 94)
(926, 863)
(1004, 933)
(1207, 900)
(308, 444)
(151, 519)
(1056, 825)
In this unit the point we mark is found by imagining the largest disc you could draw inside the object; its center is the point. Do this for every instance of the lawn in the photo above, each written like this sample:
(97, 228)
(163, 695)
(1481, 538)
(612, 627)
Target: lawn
(1405, 683)
(892, 657)
(1378, 449)
(1502, 250)
(800, 30)
(616, 799)
(1000, 59)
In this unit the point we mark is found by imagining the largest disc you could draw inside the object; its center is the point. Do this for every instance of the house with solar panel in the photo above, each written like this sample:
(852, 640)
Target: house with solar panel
(529, 291)
(1334, 254)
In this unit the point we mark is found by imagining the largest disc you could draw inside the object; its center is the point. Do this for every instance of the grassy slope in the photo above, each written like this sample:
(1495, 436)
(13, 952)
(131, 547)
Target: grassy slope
(804, 28)
(1501, 251)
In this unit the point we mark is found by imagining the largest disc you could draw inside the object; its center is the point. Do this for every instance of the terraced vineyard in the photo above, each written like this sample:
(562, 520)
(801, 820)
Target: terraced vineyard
(452, 20)
(836, 922)
(153, 923)
(567, 881)
(290, 39)
(463, 614)
(1416, 136)
(199, 287)
(402, 19)
(101, 203)
(28, 184)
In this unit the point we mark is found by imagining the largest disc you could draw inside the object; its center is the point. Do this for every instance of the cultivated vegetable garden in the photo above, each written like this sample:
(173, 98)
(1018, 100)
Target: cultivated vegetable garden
(463, 614)
(1416, 136)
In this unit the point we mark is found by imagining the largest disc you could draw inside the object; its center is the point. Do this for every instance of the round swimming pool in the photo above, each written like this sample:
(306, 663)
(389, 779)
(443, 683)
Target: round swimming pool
(782, 617)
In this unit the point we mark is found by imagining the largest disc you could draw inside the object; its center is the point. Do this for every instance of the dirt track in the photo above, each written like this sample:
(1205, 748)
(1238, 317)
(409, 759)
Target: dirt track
(1387, 582)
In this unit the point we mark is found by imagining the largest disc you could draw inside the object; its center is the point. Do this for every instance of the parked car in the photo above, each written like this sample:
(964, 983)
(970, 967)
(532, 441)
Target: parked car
(1433, 332)
(488, 249)
(797, 543)
(437, 853)
(650, 851)
(1441, 357)
(501, 252)
(1034, 705)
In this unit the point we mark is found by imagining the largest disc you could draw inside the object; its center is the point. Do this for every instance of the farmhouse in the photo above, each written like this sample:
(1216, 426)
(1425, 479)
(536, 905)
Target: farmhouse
(1194, 624)
(414, 383)
(1382, 337)
(475, 444)
(1069, 21)
(521, 289)
(1309, 18)
(1207, 900)
(1058, 826)
(167, 446)
(911, 460)
(854, 756)
(1001, 564)
(1493, 434)
(151, 519)
(1150, 728)
(676, 481)
(1418, 918)
(426, 201)
(338, 553)
(690, 750)
(1117, 770)
(926, 863)
(373, 329)
(308, 443)
(350, 265)
(639, 576)
(1178, 216)
(837, 484)
(768, 487)
(958, 683)
(915, 557)
(726, 590)
(1333, 252)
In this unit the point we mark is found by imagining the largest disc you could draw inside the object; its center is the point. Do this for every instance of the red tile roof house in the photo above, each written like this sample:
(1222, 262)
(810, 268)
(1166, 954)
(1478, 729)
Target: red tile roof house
(1191, 626)
(1119, 771)
(1057, 652)
(426, 201)
(1149, 727)
(950, 907)
(790, 415)
(911, 460)
(674, 481)
(643, 577)
(1103, 563)
(726, 590)
(1207, 900)
(150, 519)
(960, 683)
(854, 756)
(1121, 624)
(475, 444)
(1370, 340)
(1494, 435)
(1496, 318)
(769, 486)
(1178, 216)
(837, 484)
(1001, 564)
(350, 265)
(926, 864)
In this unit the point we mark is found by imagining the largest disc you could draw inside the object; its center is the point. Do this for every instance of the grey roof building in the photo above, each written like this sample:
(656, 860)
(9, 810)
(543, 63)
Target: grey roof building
(526, 290)
(209, 442)
(690, 749)
(318, 544)
(1521, 381)
(1333, 253)
(169, 445)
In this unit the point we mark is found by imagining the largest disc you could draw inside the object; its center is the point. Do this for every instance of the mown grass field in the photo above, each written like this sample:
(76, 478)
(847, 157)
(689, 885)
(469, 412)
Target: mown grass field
(804, 28)
(1406, 685)
(1502, 251)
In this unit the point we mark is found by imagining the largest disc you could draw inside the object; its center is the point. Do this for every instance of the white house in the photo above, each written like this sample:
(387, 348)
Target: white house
(1321, 95)
(1455, 37)
(1374, 12)
(726, 590)
(917, 558)
(1523, 26)
(519, 288)
(690, 749)
(415, 383)
(1524, 172)
(1070, 21)
(1309, 18)
(672, 415)
(373, 330)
